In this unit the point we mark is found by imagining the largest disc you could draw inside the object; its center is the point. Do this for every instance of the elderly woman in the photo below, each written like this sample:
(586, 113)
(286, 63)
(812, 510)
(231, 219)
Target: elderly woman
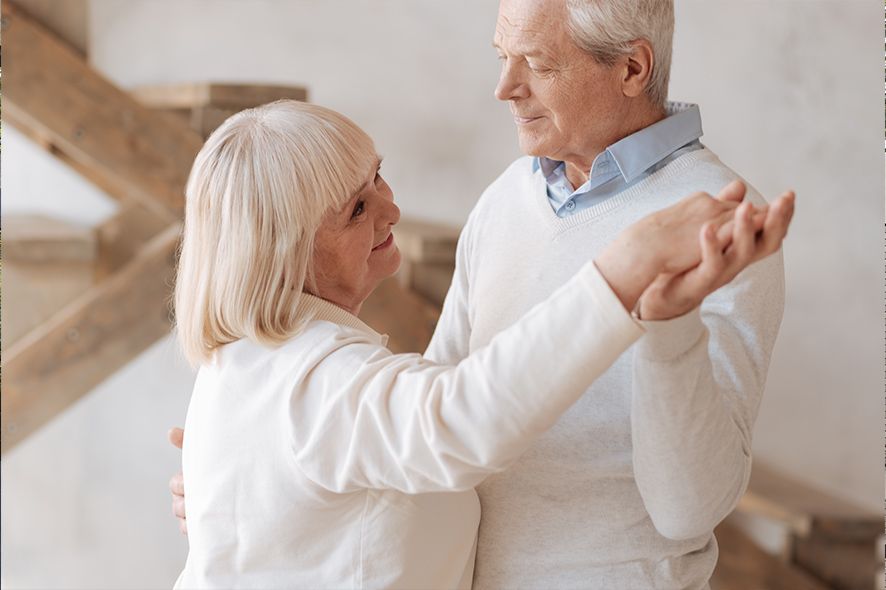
(314, 456)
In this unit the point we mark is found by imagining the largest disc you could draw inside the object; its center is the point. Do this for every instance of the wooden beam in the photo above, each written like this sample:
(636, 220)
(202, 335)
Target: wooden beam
(72, 352)
(234, 97)
(123, 146)
(68, 19)
(123, 235)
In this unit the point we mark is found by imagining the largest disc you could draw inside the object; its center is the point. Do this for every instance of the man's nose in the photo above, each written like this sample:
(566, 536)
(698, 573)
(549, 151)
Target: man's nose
(510, 84)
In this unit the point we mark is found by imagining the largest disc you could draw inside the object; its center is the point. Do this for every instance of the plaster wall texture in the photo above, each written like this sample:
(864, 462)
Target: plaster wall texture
(790, 98)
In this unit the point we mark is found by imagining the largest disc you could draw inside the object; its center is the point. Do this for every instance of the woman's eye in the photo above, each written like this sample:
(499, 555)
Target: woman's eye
(358, 210)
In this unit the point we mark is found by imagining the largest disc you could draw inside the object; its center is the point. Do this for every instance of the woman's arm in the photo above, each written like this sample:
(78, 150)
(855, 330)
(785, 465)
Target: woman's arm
(417, 426)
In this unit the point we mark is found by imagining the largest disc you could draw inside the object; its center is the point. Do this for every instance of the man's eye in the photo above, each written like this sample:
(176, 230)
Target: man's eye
(358, 210)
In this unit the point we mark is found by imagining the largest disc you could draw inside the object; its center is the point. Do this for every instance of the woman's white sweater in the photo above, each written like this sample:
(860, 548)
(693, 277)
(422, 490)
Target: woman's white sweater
(320, 464)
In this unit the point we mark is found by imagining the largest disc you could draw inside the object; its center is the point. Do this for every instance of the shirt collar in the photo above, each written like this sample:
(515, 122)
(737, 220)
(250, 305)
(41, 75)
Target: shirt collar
(313, 307)
(638, 151)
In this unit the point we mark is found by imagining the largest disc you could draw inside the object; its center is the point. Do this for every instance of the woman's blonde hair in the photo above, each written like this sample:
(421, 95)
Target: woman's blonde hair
(258, 191)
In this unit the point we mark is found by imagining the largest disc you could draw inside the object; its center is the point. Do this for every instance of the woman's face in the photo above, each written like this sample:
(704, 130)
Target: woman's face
(354, 249)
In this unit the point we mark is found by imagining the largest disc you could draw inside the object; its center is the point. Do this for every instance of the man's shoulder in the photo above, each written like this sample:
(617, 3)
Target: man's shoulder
(703, 170)
(519, 171)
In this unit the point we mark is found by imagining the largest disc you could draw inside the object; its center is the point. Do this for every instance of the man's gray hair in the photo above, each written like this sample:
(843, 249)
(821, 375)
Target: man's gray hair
(606, 28)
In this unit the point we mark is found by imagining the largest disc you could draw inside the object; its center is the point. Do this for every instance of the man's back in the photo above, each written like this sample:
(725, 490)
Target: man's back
(569, 512)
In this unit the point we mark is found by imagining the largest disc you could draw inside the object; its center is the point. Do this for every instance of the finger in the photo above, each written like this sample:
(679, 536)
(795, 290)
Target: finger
(712, 262)
(776, 225)
(725, 234)
(744, 239)
(178, 506)
(734, 192)
(177, 484)
(183, 526)
(759, 217)
(176, 436)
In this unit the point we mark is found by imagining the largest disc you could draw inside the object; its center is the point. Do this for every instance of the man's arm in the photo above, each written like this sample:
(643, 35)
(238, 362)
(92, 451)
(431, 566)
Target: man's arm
(452, 336)
(697, 385)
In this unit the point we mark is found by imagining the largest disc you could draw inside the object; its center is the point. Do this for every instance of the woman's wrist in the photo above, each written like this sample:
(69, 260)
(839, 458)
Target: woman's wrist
(629, 266)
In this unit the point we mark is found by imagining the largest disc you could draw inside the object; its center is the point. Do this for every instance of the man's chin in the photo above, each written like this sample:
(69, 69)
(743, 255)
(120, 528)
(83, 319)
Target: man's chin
(531, 146)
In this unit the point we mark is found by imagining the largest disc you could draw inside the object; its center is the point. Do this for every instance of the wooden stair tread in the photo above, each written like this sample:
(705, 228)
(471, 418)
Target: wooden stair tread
(36, 238)
(214, 94)
(742, 565)
(804, 508)
(406, 317)
(423, 241)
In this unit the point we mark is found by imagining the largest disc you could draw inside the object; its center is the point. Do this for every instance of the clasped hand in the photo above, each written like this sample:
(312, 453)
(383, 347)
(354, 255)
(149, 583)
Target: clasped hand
(668, 262)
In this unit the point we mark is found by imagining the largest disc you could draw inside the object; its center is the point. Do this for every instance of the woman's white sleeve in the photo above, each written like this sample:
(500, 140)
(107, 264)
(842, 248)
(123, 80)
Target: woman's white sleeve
(365, 418)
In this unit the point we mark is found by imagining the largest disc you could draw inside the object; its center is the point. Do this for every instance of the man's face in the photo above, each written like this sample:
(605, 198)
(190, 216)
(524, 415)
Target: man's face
(567, 106)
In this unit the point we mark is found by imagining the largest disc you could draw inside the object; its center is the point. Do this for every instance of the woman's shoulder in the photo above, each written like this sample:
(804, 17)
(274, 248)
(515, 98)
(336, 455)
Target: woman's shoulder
(316, 340)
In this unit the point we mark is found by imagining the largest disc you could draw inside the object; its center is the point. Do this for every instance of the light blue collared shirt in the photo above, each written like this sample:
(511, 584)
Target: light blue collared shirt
(626, 162)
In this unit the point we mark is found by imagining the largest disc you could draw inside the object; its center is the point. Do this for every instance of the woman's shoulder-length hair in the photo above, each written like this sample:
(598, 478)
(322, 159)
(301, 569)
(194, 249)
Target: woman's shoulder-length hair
(258, 191)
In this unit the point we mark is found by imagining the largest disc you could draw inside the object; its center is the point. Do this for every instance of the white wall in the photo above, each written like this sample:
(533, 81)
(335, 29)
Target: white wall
(790, 97)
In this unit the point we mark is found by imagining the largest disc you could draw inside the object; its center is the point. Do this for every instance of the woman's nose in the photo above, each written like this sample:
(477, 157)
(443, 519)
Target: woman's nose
(392, 212)
(389, 212)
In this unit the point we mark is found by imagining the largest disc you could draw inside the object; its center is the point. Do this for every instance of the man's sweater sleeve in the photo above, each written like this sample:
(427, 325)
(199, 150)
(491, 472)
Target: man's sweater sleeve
(452, 336)
(697, 385)
(365, 418)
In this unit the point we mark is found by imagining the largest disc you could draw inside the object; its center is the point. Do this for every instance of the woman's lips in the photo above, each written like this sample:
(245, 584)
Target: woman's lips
(386, 243)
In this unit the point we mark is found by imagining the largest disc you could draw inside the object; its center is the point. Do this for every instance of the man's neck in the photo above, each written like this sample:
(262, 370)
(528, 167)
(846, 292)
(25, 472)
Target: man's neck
(578, 172)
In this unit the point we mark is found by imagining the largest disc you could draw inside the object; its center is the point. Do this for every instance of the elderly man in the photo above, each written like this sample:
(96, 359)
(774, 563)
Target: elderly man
(626, 490)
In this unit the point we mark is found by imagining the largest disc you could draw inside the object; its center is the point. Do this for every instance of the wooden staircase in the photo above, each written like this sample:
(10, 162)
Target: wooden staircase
(137, 156)
(97, 299)
(836, 543)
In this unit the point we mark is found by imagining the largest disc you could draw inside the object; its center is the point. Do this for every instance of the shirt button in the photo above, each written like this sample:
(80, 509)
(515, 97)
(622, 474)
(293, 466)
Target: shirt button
(570, 205)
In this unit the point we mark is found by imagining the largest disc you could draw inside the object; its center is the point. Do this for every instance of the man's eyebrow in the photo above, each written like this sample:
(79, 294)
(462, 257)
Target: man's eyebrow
(521, 52)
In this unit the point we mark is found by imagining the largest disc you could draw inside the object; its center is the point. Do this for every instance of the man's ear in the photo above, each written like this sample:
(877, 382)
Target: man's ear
(638, 68)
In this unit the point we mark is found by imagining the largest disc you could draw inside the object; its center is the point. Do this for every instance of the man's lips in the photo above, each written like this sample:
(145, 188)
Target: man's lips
(525, 120)
(386, 243)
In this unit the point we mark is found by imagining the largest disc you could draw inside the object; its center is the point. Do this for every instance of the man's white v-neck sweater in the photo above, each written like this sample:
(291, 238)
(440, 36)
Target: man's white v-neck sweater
(625, 491)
